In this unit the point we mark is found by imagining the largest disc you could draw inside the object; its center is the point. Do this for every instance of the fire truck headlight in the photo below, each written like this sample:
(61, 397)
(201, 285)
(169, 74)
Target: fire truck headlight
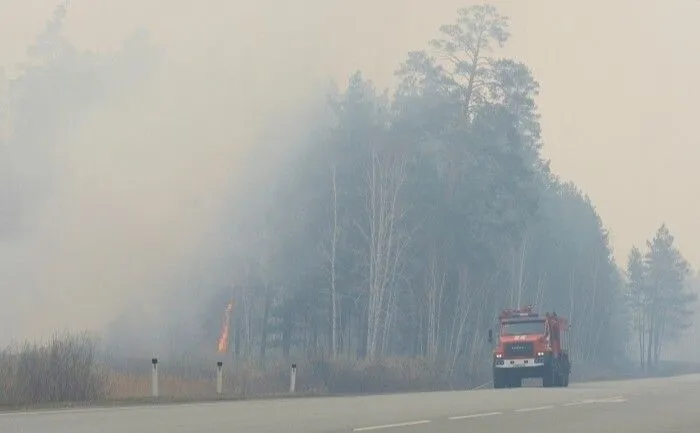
(540, 353)
(498, 355)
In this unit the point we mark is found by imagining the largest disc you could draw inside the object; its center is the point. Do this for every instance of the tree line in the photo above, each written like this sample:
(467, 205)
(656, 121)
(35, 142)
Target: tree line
(411, 218)
(661, 295)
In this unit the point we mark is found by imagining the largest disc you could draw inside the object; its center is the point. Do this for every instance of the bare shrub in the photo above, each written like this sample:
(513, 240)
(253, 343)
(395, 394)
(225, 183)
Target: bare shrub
(63, 370)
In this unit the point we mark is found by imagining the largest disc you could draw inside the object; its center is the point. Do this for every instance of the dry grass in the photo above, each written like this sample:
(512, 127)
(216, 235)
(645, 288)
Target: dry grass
(127, 386)
(385, 375)
(197, 380)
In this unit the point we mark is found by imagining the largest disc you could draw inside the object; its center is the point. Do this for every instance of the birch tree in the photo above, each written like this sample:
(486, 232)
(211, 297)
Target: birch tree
(436, 279)
(334, 291)
(385, 236)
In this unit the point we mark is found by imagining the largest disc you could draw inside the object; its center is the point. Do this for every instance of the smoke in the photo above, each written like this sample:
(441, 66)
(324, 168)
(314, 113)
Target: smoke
(139, 192)
(134, 191)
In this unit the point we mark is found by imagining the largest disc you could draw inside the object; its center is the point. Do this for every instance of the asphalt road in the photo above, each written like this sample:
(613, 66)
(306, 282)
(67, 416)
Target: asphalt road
(640, 406)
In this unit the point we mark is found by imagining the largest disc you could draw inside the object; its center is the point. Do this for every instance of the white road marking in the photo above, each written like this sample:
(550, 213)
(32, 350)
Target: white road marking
(36, 412)
(532, 409)
(115, 408)
(576, 403)
(476, 415)
(617, 399)
(482, 386)
(403, 424)
(614, 400)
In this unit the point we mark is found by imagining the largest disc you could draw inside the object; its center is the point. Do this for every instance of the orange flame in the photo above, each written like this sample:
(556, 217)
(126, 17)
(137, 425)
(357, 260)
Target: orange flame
(223, 340)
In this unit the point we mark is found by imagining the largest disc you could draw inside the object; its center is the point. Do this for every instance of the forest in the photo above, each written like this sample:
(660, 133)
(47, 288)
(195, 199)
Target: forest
(411, 217)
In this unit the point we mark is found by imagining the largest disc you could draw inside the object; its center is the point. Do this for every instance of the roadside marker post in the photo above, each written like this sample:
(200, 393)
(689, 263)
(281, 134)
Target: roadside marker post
(293, 379)
(154, 378)
(219, 377)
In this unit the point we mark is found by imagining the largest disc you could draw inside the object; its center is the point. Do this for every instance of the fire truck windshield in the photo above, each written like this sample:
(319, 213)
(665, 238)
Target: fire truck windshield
(523, 328)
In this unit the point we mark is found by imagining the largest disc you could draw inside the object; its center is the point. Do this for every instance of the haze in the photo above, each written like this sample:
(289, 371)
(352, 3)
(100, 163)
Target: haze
(618, 103)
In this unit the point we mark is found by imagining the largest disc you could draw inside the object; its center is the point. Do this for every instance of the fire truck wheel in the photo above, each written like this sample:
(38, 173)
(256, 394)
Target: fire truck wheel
(499, 379)
(549, 379)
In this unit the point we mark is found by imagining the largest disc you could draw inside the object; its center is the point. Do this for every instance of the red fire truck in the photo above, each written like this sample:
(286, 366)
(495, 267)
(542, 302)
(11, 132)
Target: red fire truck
(530, 346)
